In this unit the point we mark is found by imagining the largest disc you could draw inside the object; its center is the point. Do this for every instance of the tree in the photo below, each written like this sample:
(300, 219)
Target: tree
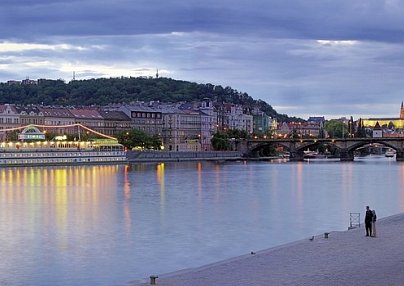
(136, 138)
(103, 91)
(361, 131)
(220, 141)
(336, 128)
(237, 134)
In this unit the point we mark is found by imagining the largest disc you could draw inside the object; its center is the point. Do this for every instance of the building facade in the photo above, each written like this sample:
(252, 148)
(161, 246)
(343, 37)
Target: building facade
(180, 126)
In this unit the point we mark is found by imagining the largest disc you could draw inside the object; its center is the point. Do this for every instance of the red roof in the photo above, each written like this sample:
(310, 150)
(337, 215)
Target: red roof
(86, 113)
(55, 112)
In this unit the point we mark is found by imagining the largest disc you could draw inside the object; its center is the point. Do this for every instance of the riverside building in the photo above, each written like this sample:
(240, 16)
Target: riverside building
(180, 126)
(391, 127)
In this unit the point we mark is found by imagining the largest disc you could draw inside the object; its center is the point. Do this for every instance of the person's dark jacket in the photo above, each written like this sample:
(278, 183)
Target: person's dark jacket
(368, 216)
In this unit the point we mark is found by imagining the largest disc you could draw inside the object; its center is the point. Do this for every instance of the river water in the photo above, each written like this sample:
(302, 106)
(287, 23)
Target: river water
(108, 225)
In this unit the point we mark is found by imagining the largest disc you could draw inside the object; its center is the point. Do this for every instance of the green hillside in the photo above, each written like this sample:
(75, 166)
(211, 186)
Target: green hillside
(103, 91)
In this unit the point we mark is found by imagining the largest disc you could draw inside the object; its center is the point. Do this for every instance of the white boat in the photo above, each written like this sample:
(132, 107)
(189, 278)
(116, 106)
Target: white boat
(308, 154)
(390, 153)
(61, 153)
(33, 149)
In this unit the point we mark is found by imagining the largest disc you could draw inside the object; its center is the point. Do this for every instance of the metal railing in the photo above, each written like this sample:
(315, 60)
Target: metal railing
(354, 220)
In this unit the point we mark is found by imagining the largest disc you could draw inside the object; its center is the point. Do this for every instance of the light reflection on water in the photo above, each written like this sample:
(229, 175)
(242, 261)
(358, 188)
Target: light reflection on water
(107, 225)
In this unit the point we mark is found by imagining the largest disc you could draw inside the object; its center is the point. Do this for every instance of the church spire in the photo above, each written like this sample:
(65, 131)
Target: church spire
(402, 111)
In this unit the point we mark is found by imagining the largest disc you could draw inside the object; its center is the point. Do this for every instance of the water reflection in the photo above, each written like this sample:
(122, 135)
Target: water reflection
(50, 211)
(127, 199)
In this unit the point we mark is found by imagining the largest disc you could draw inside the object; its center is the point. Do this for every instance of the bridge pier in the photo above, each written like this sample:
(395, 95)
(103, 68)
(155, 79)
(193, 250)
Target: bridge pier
(346, 155)
(295, 156)
(400, 155)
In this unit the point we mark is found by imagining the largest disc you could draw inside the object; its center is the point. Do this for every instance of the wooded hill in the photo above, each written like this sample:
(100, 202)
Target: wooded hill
(103, 91)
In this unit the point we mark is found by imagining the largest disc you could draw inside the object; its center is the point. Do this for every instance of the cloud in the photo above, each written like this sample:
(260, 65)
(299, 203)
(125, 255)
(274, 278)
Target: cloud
(309, 19)
(20, 47)
(301, 56)
(337, 43)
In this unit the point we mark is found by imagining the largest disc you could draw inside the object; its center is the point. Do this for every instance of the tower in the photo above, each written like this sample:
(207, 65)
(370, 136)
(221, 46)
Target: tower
(402, 111)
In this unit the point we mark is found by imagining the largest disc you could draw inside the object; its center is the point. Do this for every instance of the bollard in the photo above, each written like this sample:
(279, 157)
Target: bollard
(153, 279)
(326, 234)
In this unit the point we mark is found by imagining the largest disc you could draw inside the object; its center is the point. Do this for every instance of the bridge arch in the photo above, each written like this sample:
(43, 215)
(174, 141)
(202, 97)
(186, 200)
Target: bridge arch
(362, 144)
(295, 147)
(346, 146)
(256, 149)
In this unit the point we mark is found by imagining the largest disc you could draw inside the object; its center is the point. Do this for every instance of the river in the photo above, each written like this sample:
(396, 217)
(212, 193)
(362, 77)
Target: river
(108, 225)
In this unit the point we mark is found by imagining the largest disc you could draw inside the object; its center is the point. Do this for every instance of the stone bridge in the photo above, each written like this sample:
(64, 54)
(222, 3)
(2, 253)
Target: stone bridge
(296, 147)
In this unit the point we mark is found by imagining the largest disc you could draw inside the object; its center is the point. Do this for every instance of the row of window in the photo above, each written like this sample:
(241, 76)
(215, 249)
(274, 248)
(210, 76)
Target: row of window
(139, 121)
(117, 125)
(9, 120)
(31, 121)
(145, 115)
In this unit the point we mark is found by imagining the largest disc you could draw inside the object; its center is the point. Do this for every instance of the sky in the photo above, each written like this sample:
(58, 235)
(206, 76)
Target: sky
(329, 58)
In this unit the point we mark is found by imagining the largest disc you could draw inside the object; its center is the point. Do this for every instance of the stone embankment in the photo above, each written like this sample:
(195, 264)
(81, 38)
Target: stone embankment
(158, 156)
(338, 258)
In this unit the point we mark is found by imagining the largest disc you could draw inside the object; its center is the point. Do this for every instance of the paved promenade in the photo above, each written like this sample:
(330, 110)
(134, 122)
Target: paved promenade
(345, 258)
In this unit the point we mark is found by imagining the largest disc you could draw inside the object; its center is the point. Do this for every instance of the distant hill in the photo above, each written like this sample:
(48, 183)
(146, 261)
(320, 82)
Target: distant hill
(103, 91)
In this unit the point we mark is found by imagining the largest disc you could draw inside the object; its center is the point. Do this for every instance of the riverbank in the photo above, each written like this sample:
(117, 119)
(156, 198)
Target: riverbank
(167, 156)
(344, 258)
(172, 156)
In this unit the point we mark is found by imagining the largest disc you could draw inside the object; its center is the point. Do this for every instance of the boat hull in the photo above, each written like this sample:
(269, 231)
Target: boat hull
(389, 153)
(49, 158)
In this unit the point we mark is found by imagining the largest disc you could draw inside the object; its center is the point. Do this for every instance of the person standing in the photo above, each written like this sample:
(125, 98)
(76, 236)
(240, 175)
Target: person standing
(368, 221)
(373, 223)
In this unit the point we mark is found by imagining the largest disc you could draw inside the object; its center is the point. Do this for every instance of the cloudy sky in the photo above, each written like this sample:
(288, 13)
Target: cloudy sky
(304, 57)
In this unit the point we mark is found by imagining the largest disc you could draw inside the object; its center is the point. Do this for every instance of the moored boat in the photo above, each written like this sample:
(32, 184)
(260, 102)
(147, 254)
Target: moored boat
(61, 153)
(308, 154)
(389, 153)
(32, 150)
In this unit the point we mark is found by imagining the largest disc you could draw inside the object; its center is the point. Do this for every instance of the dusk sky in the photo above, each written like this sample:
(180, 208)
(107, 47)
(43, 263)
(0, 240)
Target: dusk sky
(304, 57)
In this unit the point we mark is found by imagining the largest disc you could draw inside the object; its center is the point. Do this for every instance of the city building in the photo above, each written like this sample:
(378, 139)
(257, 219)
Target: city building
(88, 116)
(209, 124)
(58, 116)
(396, 123)
(146, 117)
(114, 122)
(184, 126)
(377, 131)
(30, 114)
(181, 129)
(9, 118)
(237, 118)
(391, 127)
(261, 124)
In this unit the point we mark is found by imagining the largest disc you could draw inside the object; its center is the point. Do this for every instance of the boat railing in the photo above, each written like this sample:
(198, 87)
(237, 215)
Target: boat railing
(69, 146)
